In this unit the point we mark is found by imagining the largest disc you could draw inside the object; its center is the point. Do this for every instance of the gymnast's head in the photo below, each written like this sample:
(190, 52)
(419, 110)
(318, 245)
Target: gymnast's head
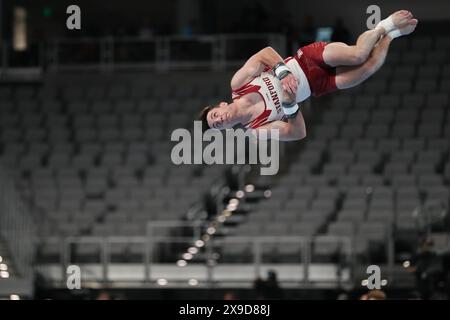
(218, 117)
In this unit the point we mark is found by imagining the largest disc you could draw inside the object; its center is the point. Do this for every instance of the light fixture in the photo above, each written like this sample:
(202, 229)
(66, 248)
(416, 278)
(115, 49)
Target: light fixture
(365, 282)
(3, 267)
(384, 282)
(187, 256)
(233, 201)
(4, 274)
(211, 230)
(249, 188)
(267, 193)
(240, 194)
(199, 243)
(14, 297)
(406, 264)
(193, 250)
(221, 218)
(205, 238)
(181, 263)
(193, 282)
(1, 258)
(162, 282)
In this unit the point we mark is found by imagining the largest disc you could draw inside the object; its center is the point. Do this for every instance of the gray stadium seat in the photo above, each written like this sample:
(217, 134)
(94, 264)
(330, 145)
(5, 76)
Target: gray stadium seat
(276, 229)
(341, 228)
(354, 215)
(374, 231)
(326, 246)
(306, 229)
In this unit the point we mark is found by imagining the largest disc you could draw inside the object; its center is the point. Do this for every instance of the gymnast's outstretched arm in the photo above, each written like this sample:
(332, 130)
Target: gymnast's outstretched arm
(254, 66)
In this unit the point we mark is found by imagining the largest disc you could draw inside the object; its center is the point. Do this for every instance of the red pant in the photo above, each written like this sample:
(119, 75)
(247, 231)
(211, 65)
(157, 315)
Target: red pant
(321, 77)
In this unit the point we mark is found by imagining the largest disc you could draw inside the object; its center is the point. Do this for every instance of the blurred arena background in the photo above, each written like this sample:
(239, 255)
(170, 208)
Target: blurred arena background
(86, 177)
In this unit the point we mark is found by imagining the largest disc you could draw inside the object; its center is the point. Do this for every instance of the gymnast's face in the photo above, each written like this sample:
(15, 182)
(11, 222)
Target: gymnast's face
(220, 117)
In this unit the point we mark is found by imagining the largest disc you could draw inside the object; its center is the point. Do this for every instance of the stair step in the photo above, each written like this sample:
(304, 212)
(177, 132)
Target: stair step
(236, 218)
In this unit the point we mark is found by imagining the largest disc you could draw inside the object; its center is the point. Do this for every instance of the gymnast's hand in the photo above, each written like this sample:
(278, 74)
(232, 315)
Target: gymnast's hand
(290, 84)
(289, 97)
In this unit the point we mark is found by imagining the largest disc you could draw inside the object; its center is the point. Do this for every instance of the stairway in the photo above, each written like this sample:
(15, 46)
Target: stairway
(6, 262)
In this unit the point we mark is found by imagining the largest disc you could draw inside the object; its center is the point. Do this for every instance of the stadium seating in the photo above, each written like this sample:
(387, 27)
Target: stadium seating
(95, 157)
(382, 148)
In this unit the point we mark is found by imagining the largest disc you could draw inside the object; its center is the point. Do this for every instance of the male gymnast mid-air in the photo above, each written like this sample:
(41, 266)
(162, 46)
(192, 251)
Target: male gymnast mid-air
(267, 89)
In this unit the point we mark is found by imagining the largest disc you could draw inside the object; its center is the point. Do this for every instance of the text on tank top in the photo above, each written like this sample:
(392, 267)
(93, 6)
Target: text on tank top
(270, 90)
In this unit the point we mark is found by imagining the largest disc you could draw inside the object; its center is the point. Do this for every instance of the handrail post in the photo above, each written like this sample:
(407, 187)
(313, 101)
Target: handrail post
(147, 252)
(162, 53)
(257, 256)
(352, 259)
(221, 52)
(105, 261)
(65, 256)
(390, 252)
(306, 260)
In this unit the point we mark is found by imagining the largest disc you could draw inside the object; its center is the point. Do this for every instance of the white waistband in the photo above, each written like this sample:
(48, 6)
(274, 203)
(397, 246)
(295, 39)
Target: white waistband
(303, 90)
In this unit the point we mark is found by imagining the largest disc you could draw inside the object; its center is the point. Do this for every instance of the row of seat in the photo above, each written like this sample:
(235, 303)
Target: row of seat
(387, 101)
(378, 153)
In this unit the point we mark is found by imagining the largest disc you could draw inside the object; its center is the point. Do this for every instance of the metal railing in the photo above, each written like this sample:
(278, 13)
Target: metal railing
(210, 266)
(160, 53)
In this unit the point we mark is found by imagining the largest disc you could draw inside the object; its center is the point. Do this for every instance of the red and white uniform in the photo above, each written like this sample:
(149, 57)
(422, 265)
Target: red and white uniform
(313, 75)
(271, 91)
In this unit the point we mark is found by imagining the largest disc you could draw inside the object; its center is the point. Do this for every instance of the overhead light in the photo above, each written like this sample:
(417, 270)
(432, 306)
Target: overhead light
(231, 207)
(205, 238)
(193, 282)
(199, 243)
(365, 282)
(406, 264)
(384, 282)
(233, 201)
(181, 263)
(3, 267)
(4, 274)
(193, 250)
(187, 256)
(267, 193)
(249, 188)
(240, 194)
(14, 297)
(162, 282)
(221, 218)
(211, 230)
(1, 258)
